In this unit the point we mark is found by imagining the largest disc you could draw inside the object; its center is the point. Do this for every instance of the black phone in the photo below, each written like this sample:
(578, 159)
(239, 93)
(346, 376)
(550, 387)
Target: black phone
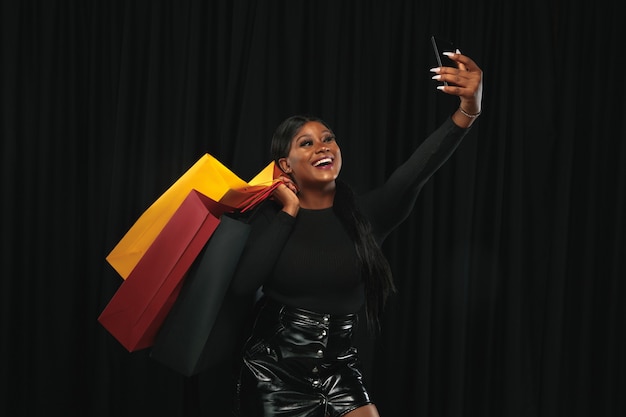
(440, 46)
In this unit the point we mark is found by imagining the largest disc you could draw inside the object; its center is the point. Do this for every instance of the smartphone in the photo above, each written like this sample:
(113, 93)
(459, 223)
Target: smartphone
(440, 46)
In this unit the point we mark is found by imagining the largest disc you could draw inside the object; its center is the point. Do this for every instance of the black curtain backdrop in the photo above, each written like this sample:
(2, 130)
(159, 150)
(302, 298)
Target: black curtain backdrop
(510, 269)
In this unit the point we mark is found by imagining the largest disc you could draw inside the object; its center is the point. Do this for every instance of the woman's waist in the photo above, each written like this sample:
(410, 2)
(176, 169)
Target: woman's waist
(303, 333)
(307, 317)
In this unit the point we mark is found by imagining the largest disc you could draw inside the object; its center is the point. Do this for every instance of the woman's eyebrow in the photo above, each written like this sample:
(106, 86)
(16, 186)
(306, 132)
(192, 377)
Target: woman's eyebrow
(308, 135)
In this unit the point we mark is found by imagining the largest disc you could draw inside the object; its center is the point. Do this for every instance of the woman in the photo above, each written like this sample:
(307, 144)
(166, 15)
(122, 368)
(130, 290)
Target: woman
(315, 252)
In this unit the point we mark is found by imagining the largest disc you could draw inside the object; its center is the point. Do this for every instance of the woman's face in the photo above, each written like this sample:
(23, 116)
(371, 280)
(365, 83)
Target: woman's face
(314, 157)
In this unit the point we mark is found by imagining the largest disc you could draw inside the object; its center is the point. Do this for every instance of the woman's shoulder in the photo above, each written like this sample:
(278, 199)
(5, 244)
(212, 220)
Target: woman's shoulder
(264, 212)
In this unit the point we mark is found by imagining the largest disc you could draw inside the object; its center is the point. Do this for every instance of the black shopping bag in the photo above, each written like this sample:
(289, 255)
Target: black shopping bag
(204, 325)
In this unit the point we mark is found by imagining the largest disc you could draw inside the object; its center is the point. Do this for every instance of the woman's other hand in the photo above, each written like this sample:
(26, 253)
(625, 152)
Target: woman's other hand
(286, 194)
(465, 81)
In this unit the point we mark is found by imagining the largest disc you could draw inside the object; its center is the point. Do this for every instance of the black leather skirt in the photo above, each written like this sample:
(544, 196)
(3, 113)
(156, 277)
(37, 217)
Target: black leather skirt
(298, 363)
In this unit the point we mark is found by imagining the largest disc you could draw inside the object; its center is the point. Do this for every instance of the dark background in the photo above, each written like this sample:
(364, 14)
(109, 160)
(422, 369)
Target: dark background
(510, 269)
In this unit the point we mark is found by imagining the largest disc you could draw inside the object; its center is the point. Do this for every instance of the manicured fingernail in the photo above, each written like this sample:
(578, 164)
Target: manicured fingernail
(440, 87)
(448, 53)
(436, 69)
(436, 77)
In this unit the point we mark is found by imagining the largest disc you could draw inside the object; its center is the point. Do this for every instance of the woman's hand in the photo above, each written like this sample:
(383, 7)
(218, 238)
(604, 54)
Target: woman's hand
(465, 81)
(286, 194)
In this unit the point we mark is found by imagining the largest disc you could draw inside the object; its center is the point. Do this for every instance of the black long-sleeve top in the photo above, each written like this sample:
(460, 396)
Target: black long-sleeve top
(310, 261)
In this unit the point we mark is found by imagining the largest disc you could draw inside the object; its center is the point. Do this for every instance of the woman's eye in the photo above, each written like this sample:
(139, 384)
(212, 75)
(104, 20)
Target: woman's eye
(329, 139)
(305, 143)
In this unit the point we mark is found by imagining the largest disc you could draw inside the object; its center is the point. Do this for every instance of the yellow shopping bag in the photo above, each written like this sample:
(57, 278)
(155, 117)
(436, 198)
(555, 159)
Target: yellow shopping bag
(208, 176)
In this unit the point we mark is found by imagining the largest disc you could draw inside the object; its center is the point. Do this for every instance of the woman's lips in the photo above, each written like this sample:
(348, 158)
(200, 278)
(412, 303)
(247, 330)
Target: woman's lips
(326, 161)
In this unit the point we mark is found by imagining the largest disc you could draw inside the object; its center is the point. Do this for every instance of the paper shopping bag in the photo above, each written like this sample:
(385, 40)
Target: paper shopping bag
(208, 176)
(257, 190)
(243, 199)
(183, 342)
(141, 303)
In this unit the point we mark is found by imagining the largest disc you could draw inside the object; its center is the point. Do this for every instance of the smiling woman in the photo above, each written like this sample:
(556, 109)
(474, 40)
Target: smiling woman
(312, 161)
(314, 251)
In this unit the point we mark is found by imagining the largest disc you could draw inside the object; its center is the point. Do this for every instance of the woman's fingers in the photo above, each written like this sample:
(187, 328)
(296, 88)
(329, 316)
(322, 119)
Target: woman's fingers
(288, 182)
(464, 81)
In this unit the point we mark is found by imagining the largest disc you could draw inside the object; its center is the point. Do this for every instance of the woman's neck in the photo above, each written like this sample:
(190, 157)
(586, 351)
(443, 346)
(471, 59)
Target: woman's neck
(317, 199)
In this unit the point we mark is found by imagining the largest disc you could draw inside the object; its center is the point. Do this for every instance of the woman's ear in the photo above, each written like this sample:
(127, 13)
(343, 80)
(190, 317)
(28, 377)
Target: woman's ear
(284, 165)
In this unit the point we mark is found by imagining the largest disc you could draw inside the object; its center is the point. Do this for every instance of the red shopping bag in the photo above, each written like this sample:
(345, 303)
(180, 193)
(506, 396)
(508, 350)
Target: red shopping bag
(139, 306)
(244, 199)
(258, 189)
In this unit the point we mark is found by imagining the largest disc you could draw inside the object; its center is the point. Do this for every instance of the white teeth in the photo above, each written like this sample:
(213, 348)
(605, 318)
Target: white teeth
(323, 161)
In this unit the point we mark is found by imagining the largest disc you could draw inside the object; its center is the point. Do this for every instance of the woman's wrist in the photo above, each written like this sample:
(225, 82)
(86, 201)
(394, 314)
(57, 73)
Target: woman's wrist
(468, 114)
(463, 118)
(291, 210)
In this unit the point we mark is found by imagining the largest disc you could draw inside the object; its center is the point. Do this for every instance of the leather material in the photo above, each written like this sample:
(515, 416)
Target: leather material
(299, 363)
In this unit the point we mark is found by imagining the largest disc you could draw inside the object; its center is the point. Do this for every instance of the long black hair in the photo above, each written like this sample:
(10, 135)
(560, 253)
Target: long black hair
(375, 268)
